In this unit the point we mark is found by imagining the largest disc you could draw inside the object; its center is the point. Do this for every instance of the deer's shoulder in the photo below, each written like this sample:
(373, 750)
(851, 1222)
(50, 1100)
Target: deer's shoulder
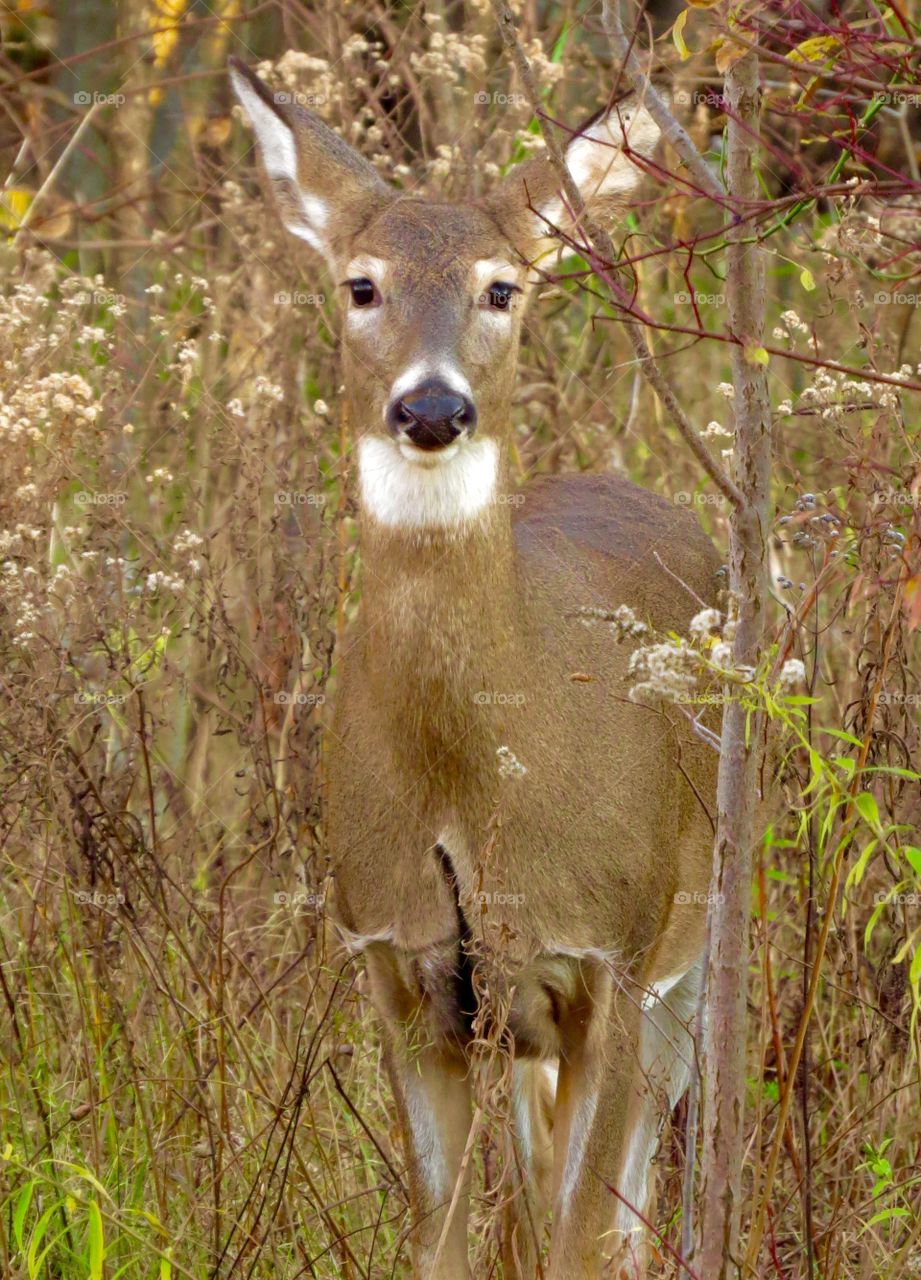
(625, 542)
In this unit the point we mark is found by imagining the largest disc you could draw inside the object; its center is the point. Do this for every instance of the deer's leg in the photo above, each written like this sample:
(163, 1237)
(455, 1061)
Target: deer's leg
(666, 1051)
(534, 1090)
(431, 1086)
(599, 1033)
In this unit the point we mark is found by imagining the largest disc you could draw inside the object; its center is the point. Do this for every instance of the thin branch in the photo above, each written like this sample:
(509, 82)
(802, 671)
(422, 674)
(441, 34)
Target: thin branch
(62, 159)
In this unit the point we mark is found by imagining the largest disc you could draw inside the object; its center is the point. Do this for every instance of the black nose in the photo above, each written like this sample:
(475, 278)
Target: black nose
(432, 415)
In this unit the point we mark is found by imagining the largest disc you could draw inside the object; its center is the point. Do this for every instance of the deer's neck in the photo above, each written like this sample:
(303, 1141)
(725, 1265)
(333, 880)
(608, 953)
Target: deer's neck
(443, 617)
(438, 600)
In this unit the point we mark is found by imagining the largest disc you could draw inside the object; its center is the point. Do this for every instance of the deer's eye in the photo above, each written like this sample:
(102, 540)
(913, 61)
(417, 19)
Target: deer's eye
(363, 292)
(499, 295)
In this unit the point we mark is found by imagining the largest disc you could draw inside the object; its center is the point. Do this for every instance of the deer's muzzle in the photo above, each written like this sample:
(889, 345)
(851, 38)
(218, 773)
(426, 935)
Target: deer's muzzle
(432, 416)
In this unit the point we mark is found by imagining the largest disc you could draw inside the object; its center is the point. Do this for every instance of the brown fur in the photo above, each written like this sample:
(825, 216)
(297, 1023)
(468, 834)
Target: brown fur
(591, 850)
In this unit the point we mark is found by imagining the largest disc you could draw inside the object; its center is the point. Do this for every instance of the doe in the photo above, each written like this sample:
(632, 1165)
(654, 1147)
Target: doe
(459, 726)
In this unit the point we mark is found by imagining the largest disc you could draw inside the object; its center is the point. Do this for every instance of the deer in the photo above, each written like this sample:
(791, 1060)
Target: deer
(475, 710)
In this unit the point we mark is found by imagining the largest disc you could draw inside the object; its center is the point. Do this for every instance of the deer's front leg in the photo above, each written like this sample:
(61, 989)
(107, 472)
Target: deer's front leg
(599, 1034)
(534, 1087)
(431, 1086)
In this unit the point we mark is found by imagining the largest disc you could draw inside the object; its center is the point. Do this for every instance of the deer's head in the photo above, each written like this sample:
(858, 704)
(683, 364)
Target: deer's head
(433, 293)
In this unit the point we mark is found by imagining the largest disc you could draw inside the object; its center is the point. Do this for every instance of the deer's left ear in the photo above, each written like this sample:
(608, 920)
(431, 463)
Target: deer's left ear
(604, 158)
(325, 191)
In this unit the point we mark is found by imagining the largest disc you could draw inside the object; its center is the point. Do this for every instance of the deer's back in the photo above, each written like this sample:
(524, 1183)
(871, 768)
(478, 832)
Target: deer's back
(618, 543)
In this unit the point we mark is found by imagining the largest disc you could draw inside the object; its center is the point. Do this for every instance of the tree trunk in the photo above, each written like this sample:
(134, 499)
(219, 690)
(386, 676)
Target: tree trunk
(727, 976)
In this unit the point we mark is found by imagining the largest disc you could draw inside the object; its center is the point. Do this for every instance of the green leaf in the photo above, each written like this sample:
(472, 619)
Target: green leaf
(23, 1201)
(871, 923)
(914, 973)
(807, 280)
(868, 809)
(96, 1241)
(845, 737)
(856, 873)
(883, 1216)
(35, 1242)
(913, 855)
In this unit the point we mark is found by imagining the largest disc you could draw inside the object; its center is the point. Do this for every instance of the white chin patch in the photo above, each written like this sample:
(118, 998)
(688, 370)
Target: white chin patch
(409, 488)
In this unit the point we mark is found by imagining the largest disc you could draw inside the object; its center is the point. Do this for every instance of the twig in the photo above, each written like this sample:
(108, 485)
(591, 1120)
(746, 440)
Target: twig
(59, 164)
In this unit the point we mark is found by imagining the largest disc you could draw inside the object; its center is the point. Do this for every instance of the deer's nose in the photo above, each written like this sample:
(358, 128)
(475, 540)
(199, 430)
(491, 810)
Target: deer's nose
(432, 416)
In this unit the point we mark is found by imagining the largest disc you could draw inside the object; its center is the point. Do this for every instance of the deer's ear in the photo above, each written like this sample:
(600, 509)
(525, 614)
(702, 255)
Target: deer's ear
(604, 158)
(324, 189)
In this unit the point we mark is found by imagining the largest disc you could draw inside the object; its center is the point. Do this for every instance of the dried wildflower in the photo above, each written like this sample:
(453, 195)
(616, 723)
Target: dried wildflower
(705, 622)
(792, 674)
(623, 621)
(665, 671)
(509, 764)
(186, 541)
(160, 581)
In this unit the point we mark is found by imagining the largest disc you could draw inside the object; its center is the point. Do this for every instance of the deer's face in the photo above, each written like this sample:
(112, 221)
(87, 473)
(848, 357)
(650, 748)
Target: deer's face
(432, 296)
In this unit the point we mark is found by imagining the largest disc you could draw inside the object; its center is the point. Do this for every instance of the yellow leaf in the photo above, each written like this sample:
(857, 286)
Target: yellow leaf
(678, 35)
(13, 205)
(756, 355)
(727, 54)
(217, 131)
(167, 17)
(702, 4)
(815, 49)
(807, 280)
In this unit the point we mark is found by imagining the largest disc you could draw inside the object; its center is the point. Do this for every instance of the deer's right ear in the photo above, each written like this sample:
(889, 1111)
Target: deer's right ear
(324, 189)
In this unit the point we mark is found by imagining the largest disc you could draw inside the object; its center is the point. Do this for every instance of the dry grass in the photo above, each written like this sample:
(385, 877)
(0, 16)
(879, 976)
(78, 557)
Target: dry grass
(194, 1084)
